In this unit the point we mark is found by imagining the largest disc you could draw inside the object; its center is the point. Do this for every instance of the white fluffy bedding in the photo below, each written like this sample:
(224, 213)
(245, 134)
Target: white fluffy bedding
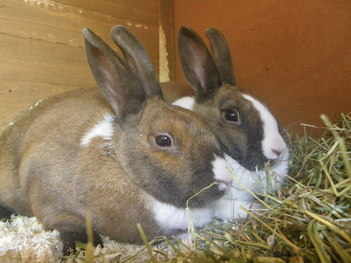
(23, 239)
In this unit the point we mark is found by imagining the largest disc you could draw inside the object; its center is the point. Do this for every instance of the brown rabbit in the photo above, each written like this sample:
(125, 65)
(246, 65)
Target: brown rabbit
(249, 133)
(124, 157)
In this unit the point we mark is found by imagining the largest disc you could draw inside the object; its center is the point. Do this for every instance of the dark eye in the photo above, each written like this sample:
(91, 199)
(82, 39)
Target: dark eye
(231, 115)
(163, 140)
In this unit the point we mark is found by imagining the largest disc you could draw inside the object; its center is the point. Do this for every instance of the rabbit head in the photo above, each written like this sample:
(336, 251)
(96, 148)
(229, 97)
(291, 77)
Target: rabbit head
(167, 151)
(254, 147)
(122, 155)
(248, 131)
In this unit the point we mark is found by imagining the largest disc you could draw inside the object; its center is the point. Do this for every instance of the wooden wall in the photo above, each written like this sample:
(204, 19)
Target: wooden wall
(294, 55)
(41, 46)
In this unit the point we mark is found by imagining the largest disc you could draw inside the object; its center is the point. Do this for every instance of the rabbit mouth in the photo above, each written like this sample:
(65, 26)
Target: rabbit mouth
(273, 163)
(271, 177)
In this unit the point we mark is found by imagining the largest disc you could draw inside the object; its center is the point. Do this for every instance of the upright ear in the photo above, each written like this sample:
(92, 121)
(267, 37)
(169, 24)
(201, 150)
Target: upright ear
(137, 59)
(118, 84)
(221, 55)
(198, 65)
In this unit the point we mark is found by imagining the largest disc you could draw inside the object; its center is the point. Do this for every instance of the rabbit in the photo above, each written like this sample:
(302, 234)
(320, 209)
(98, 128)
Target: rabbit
(250, 134)
(118, 153)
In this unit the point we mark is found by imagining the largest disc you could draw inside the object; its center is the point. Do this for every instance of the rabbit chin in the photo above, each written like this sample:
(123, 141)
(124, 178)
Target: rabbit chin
(245, 184)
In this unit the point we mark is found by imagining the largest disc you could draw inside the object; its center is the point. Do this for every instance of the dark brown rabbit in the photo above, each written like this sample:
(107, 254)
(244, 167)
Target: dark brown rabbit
(247, 130)
(124, 157)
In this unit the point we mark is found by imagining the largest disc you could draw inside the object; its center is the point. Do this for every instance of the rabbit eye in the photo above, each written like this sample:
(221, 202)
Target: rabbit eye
(231, 115)
(163, 140)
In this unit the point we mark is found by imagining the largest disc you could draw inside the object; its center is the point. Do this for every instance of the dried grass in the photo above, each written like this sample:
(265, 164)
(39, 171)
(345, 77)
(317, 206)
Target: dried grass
(309, 220)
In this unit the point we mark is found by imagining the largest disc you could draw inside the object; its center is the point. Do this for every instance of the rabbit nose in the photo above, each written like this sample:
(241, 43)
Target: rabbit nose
(277, 152)
(273, 147)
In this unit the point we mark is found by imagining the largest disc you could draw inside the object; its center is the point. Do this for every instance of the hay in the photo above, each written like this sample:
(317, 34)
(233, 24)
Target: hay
(309, 220)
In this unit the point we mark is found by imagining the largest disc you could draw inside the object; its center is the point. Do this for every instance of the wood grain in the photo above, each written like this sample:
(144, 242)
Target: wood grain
(41, 45)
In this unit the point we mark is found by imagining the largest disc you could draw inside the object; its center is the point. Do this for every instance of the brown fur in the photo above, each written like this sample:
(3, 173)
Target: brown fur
(46, 172)
(212, 78)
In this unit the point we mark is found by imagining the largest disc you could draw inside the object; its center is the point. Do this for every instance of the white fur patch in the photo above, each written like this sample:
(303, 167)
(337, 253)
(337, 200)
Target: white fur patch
(221, 172)
(185, 102)
(102, 129)
(263, 181)
(171, 218)
(272, 140)
(245, 183)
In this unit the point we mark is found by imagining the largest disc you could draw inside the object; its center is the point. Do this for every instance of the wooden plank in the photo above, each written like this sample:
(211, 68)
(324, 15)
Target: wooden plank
(41, 45)
(34, 60)
(25, 49)
(17, 96)
(63, 26)
(168, 26)
(60, 74)
(131, 10)
(41, 61)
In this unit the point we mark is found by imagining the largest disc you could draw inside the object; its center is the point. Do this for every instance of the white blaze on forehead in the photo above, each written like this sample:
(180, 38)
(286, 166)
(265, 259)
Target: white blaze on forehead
(272, 140)
(102, 129)
(185, 102)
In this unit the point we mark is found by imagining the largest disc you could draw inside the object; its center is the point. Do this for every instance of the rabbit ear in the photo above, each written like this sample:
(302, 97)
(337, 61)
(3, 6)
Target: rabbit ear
(221, 54)
(137, 59)
(198, 65)
(118, 84)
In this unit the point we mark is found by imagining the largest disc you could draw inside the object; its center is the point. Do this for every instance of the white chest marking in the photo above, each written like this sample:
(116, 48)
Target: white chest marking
(185, 102)
(171, 218)
(102, 129)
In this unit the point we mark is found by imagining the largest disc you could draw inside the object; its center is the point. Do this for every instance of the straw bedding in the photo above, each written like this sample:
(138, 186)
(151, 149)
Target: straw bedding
(309, 220)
